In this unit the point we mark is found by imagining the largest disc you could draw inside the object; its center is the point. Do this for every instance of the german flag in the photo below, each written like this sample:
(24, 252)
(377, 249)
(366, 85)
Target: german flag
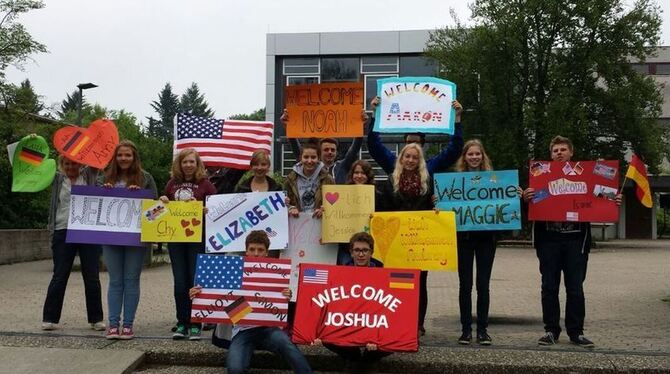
(401, 280)
(637, 171)
(31, 156)
(238, 309)
(75, 144)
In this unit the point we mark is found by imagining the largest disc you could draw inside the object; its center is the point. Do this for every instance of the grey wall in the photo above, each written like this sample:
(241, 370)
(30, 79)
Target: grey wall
(24, 245)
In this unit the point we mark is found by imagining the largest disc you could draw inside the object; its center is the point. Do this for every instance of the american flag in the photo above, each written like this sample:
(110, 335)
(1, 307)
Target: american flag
(222, 143)
(315, 276)
(252, 284)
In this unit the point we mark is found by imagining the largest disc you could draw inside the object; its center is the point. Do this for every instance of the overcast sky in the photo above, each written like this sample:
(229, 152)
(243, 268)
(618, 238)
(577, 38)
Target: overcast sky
(131, 48)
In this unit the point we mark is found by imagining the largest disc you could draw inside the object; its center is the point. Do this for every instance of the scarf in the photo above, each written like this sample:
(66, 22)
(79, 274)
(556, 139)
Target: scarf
(410, 184)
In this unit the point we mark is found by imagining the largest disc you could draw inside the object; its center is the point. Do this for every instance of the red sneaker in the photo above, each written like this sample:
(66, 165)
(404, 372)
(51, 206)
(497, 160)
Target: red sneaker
(127, 333)
(112, 333)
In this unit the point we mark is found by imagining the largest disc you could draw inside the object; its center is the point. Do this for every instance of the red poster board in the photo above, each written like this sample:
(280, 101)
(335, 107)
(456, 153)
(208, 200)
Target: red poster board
(579, 191)
(353, 306)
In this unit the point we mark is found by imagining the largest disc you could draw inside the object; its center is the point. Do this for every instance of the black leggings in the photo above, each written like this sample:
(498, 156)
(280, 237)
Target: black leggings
(484, 252)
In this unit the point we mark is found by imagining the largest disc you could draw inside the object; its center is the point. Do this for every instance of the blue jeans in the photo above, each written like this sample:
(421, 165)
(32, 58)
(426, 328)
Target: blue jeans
(183, 257)
(124, 265)
(267, 338)
(63, 258)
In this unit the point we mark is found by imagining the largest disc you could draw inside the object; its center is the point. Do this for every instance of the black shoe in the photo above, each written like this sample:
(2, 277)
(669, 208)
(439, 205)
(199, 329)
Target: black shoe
(548, 339)
(208, 326)
(422, 331)
(581, 341)
(465, 338)
(483, 338)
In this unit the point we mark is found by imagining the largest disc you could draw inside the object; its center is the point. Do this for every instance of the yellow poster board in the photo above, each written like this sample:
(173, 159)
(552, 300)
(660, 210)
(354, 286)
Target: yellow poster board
(176, 221)
(422, 240)
(346, 211)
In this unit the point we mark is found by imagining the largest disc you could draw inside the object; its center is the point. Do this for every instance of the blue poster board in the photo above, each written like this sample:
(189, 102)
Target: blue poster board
(415, 104)
(483, 200)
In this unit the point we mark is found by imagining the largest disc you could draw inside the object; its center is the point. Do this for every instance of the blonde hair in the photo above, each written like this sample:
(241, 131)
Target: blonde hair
(178, 174)
(461, 165)
(423, 171)
(259, 156)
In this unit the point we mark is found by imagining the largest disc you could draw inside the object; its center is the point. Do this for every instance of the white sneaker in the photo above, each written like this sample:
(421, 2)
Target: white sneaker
(48, 326)
(98, 326)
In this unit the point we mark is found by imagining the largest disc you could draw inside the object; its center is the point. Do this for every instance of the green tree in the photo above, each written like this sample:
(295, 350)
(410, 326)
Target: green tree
(16, 44)
(531, 69)
(167, 106)
(193, 102)
(257, 115)
(71, 103)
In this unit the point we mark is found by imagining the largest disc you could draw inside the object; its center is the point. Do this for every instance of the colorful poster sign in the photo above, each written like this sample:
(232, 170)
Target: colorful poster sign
(11, 148)
(580, 191)
(176, 221)
(105, 215)
(422, 240)
(304, 245)
(415, 104)
(32, 169)
(92, 146)
(346, 211)
(231, 217)
(240, 290)
(353, 306)
(482, 200)
(327, 110)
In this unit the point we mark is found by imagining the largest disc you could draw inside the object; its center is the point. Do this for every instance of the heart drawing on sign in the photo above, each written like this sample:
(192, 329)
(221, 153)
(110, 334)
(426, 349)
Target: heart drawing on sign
(185, 223)
(384, 232)
(32, 170)
(332, 197)
(92, 146)
(189, 232)
(195, 222)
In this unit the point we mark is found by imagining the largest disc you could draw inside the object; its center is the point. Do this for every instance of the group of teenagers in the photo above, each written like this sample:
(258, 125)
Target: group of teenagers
(561, 247)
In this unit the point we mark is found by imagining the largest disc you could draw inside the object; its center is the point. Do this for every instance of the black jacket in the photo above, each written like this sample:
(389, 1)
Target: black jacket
(245, 185)
(391, 201)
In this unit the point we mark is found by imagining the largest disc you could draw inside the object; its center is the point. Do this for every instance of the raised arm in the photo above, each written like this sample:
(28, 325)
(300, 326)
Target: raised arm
(293, 142)
(452, 152)
(385, 158)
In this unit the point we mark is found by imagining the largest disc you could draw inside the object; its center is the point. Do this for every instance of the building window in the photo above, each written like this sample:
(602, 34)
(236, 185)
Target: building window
(640, 68)
(417, 66)
(293, 80)
(371, 86)
(301, 66)
(663, 69)
(340, 69)
(379, 64)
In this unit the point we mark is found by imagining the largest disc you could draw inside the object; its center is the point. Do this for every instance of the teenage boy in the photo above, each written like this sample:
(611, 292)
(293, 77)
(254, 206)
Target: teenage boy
(246, 339)
(562, 247)
(361, 247)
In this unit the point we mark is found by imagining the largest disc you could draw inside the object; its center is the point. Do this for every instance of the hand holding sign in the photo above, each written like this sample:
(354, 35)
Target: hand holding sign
(92, 146)
(32, 170)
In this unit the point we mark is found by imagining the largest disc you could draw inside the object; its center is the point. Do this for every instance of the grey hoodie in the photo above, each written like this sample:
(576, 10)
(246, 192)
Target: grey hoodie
(307, 186)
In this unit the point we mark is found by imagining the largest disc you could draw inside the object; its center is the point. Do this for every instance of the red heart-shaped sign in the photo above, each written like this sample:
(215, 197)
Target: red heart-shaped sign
(195, 221)
(332, 197)
(184, 223)
(189, 232)
(92, 146)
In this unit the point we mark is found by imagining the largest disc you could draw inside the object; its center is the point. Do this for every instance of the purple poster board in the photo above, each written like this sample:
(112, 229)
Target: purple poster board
(105, 215)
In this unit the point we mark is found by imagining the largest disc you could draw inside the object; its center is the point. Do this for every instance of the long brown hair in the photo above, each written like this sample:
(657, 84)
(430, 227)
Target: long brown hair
(367, 169)
(461, 165)
(134, 175)
(178, 174)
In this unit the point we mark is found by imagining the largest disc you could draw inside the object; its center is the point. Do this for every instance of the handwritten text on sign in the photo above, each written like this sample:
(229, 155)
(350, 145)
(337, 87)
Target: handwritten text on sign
(231, 217)
(580, 191)
(105, 215)
(421, 240)
(353, 306)
(346, 211)
(483, 200)
(176, 221)
(328, 110)
(412, 104)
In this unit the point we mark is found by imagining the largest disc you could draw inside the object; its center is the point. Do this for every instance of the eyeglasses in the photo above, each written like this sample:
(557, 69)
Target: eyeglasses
(364, 251)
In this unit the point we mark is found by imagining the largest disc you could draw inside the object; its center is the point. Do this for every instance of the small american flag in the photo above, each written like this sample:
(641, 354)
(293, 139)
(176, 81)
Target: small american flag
(241, 290)
(222, 143)
(315, 276)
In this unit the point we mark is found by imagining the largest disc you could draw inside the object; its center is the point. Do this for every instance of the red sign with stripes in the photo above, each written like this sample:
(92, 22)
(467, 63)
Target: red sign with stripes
(241, 290)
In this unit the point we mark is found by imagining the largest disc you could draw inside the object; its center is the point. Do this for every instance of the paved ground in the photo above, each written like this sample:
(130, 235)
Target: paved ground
(625, 288)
